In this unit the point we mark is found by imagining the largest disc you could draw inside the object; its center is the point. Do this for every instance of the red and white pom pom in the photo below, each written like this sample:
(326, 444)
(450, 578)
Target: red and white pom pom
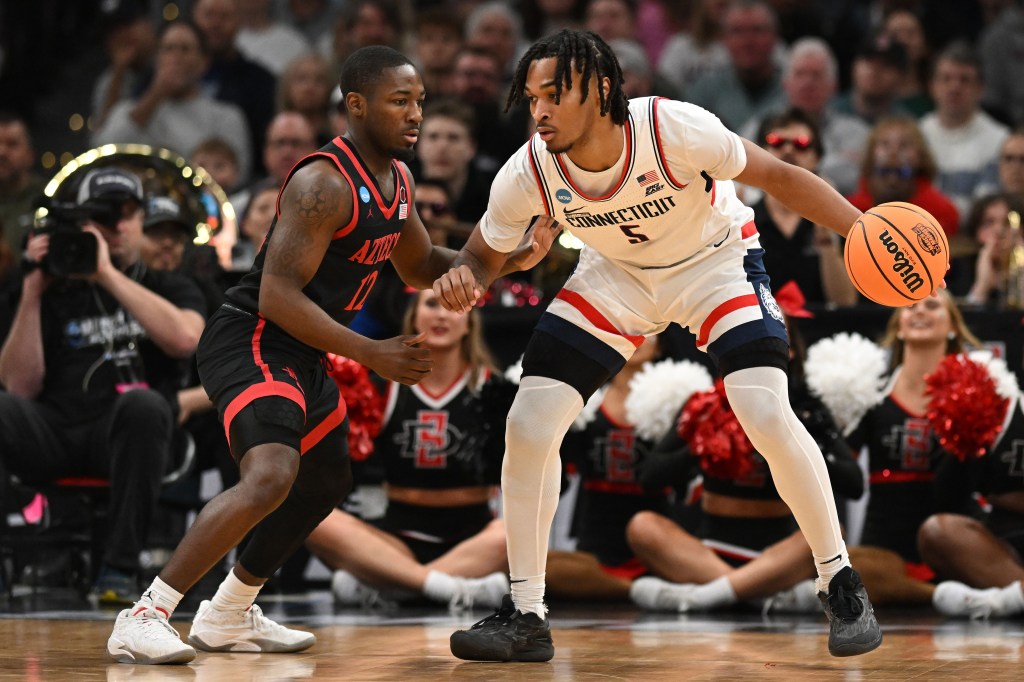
(965, 409)
(710, 428)
(364, 403)
(514, 373)
(658, 391)
(847, 372)
(1006, 381)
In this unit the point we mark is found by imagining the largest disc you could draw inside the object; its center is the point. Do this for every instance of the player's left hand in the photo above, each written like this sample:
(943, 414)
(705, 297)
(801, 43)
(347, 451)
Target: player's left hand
(457, 290)
(536, 242)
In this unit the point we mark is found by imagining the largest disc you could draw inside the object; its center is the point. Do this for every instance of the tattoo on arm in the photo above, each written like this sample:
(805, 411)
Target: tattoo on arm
(305, 215)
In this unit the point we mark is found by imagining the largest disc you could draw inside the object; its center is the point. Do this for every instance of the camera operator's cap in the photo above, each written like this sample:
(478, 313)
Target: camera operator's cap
(161, 210)
(109, 183)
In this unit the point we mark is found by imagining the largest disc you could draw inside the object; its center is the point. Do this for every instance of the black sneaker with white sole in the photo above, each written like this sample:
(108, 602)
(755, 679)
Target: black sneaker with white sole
(853, 629)
(506, 635)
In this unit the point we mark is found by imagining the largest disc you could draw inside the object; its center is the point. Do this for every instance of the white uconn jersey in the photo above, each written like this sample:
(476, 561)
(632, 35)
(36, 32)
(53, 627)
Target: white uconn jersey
(666, 197)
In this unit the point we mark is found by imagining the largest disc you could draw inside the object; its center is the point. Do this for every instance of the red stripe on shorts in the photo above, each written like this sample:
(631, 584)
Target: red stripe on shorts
(594, 316)
(745, 301)
(330, 422)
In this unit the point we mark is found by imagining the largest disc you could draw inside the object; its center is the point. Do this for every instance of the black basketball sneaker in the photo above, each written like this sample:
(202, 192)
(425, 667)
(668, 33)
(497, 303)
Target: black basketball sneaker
(853, 629)
(506, 635)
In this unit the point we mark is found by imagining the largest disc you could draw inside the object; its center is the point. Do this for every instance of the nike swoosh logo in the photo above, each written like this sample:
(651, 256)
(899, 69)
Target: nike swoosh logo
(723, 239)
(567, 211)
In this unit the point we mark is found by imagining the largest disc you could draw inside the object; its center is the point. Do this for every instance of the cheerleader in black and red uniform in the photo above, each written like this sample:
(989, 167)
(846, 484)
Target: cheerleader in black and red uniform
(440, 451)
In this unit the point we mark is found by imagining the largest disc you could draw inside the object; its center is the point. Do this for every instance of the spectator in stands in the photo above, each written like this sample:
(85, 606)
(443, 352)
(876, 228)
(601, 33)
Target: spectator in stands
(637, 77)
(751, 85)
(795, 248)
(254, 224)
(313, 18)
(904, 27)
(446, 152)
(905, 460)
(272, 44)
(173, 112)
(439, 537)
(690, 54)
(964, 140)
(289, 138)
(899, 166)
(611, 19)
(363, 23)
(1011, 163)
(477, 81)
(230, 76)
(91, 365)
(999, 46)
(980, 274)
(306, 86)
(20, 186)
(878, 70)
(810, 82)
(434, 205)
(217, 158)
(544, 17)
(438, 39)
(130, 43)
(495, 26)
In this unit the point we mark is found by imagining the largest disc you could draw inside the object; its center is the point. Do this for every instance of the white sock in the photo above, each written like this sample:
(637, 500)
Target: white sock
(528, 595)
(713, 595)
(530, 481)
(234, 595)
(439, 586)
(760, 398)
(1013, 598)
(161, 597)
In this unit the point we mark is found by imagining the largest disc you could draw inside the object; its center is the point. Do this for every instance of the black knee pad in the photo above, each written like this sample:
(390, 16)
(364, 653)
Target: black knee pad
(770, 351)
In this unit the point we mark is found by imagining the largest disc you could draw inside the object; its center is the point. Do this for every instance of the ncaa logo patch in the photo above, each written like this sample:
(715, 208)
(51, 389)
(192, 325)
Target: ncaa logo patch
(769, 303)
(364, 195)
(563, 196)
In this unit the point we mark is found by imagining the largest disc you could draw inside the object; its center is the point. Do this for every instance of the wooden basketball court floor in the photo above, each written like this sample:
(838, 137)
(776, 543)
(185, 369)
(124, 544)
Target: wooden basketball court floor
(43, 638)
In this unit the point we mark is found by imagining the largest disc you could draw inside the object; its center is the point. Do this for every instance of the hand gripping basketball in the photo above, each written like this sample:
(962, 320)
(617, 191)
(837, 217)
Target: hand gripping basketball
(896, 254)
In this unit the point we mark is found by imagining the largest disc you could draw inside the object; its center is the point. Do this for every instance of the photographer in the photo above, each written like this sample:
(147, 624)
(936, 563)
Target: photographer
(94, 350)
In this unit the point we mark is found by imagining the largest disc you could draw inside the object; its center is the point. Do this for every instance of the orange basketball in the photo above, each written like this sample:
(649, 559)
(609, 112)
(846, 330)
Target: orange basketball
(896, 254)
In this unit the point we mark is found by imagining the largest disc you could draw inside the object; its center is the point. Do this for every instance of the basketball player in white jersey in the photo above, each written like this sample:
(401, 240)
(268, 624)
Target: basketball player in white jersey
(646, 185)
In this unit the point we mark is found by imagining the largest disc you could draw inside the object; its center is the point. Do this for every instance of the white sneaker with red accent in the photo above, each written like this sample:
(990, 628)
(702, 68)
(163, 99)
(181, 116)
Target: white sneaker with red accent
(143, 635)
(247, 631)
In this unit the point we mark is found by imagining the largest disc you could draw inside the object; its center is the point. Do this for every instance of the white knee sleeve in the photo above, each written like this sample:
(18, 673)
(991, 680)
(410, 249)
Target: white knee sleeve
(760, 398)
(531, 472)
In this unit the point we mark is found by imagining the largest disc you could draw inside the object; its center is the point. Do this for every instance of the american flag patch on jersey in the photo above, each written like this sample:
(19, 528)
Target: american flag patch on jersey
(403, 211)
(647, 178)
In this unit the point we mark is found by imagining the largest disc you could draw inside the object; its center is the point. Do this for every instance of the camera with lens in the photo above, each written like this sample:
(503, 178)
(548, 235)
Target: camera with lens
(72, 250)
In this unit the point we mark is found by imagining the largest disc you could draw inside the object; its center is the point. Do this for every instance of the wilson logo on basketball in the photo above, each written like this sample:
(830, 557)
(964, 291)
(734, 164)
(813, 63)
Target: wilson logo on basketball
(927, 238)
(901, 265)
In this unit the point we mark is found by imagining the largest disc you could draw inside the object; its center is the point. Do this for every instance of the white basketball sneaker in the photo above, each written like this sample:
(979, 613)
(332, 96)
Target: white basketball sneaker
(656, 594)
(487, 591)
(143, 635)
(952, 598)
(247, 631)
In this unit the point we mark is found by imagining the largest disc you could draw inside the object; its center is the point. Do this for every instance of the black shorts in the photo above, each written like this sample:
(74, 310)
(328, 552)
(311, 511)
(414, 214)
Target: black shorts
(431, 532)
(1008, 527)
(249, 364)
(737, 540)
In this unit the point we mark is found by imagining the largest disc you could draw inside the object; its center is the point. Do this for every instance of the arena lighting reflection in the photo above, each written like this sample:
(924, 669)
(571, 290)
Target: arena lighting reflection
(163, 173)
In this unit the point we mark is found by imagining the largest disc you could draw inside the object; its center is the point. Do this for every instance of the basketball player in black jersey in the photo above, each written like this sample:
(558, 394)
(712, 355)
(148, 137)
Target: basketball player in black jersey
(342, 212)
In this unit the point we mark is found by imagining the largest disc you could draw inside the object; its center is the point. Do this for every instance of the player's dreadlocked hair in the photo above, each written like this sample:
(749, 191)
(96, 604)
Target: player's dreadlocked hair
(583, 52)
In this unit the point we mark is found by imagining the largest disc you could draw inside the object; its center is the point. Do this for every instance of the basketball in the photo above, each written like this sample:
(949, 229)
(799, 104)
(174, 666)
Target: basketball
(896, 254)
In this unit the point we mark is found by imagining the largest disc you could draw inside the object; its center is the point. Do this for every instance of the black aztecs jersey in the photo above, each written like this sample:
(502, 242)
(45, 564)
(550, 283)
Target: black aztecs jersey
(353, 261)
(1002, 468)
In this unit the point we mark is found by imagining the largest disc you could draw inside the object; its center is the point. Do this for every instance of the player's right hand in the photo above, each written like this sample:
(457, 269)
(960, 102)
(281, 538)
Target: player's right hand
(401, 359)
(457, 289)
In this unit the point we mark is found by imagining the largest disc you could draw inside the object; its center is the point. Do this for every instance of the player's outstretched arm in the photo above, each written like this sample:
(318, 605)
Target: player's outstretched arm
(315, 202)
(799, 189)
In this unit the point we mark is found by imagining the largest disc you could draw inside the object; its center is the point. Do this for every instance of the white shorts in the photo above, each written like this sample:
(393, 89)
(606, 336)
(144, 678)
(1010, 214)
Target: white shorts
(721, 294)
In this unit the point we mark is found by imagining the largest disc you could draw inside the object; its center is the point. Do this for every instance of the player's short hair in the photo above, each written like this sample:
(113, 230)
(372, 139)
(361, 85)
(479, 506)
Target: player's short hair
(362, 71)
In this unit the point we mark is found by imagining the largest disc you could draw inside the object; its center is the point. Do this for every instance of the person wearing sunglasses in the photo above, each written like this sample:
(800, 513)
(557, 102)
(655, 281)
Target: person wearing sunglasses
(899, 166)
(795, 248)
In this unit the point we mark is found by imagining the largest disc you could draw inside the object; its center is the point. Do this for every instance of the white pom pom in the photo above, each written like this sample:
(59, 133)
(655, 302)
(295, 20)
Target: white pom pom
(847, 371)
(589, 410)
(514, 373)
(1006, 381)
(658, 391)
